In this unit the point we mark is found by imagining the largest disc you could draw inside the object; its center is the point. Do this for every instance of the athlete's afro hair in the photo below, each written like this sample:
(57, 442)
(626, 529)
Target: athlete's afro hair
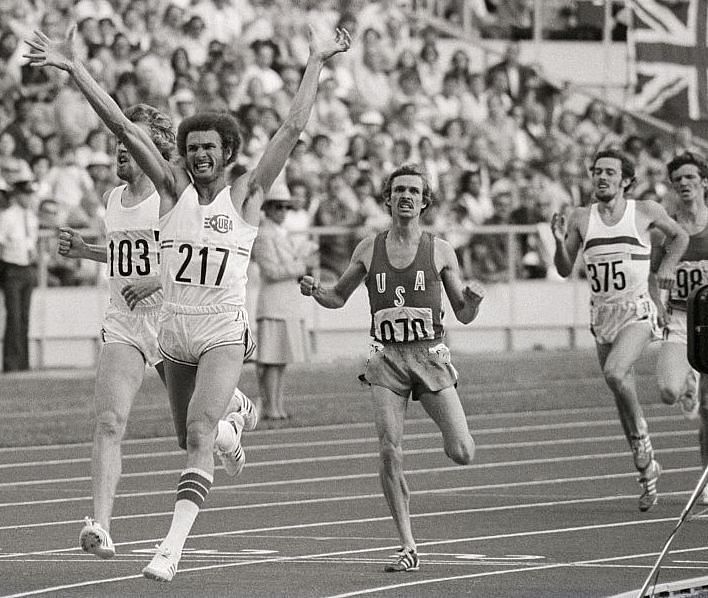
(222, 122)
(160, 126)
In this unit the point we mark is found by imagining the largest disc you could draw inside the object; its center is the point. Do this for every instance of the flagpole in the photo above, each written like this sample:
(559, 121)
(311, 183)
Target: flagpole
(606, 48)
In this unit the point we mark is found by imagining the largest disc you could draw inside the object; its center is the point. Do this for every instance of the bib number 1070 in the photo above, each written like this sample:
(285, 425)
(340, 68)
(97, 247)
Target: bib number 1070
(606, 276)
(204, 267)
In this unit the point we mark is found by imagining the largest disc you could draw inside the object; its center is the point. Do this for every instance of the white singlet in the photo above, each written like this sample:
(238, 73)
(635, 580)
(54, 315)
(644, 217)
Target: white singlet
(205, 252)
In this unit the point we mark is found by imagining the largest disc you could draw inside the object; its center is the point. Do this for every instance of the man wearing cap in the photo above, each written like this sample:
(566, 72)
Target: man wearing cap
(282, 335)
(18, 253)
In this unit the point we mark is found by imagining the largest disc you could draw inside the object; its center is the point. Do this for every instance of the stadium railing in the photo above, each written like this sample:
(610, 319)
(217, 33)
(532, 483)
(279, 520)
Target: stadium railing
(517, 314)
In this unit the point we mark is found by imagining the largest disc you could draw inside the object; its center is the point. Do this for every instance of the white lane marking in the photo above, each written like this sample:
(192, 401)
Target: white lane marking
(282, 559)
(424, 421)
(351, 456)
(373, 440)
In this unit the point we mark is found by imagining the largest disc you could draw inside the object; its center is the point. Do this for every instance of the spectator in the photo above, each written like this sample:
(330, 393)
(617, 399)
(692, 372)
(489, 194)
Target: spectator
(266, 56)
(281, 311)
(593, 126)
(20, 128)
(470, 194)
(430, 70)
(515, 74)
(474, 100)
(18, 255)
(71, 185)
(10, 163)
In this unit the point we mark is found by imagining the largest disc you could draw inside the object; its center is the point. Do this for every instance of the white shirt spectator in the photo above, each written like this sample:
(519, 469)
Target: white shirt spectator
(18, 235)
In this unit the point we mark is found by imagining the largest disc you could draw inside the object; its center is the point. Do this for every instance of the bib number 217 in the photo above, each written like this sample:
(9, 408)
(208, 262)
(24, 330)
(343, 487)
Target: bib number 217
(204, 267)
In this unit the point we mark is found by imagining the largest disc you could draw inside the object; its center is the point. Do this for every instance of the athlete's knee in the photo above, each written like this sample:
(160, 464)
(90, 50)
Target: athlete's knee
(615, 375)
(462, 452)
(668, 393)
(110, 424)
(200, 436)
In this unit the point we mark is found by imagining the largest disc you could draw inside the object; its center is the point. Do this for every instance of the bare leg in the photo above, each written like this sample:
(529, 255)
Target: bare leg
(389, 416)
(270, 378)
(120, 373)
(672, 370)
(617, 362)
(445, 409)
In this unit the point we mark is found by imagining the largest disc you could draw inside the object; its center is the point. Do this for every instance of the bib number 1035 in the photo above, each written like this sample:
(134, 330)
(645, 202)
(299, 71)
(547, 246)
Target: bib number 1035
(205, 266)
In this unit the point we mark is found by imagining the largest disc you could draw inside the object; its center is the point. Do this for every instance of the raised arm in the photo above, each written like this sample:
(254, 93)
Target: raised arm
(62, 54)
(336, 296)
(279, 147)
(566, 233)
(464, 299)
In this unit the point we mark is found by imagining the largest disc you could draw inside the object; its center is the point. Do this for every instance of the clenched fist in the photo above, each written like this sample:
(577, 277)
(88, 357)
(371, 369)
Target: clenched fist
(308, 285)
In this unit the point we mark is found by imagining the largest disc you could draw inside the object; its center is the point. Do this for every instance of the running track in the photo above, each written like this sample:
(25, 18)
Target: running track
(549, 508)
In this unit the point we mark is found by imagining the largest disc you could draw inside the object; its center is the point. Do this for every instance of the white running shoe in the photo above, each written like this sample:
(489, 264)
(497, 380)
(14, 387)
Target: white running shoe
(247, 410)
(689, 401)
(163, 565)
(234, 460)
(96, 540)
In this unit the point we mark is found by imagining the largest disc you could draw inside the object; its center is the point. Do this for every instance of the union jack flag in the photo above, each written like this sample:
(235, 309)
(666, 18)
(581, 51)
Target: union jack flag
(668, 40)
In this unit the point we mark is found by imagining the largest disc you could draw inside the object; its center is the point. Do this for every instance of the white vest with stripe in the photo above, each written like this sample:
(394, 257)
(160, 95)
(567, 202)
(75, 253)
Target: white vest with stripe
(617, 260)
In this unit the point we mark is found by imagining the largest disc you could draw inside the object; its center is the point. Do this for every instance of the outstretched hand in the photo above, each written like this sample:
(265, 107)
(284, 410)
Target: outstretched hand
(325, 48)
(48, 52)
(559, 226)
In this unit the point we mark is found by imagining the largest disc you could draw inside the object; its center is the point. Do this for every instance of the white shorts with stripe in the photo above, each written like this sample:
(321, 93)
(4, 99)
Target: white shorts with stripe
(608, 319)
(187, 332)
(137, 328)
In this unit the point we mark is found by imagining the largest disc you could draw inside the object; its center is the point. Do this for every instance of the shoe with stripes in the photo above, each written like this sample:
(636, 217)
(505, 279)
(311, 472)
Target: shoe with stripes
(246, 409)
(647, 480)
(248, 412)
(96, 540)
(163, 565)
(406, 560)
(642, 451)
(234, 460)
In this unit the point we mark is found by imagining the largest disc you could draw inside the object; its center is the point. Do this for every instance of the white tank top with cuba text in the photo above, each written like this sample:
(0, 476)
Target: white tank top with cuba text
(132, 243)
(205, 251)
(617, 260)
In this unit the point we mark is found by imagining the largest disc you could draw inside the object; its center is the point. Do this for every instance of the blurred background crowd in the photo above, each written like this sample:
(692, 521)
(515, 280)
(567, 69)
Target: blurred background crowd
(500, 144)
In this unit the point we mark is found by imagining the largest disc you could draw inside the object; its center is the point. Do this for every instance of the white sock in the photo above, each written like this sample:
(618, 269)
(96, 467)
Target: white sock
(194, 485)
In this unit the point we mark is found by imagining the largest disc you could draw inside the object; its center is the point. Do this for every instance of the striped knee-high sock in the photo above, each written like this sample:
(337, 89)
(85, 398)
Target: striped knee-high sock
(194, 485)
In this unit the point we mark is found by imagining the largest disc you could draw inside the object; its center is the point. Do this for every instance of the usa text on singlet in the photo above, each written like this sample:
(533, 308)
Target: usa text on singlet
(406, 303)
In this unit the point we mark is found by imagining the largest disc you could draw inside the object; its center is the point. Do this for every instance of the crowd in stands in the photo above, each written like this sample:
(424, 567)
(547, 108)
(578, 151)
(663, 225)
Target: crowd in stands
(500, 145)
